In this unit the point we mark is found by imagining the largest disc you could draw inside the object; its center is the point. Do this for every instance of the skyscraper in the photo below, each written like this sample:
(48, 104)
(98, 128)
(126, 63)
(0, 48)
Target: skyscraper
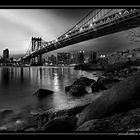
(6, 55)
(63, 58)
(81, 57)
(52, 59)
(92, 57)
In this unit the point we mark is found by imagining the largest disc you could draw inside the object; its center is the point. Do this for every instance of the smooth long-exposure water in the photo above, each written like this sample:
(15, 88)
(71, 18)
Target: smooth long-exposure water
(18, 84)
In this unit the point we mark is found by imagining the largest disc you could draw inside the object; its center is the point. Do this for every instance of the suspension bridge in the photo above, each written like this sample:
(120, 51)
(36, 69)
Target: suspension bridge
(97, 23)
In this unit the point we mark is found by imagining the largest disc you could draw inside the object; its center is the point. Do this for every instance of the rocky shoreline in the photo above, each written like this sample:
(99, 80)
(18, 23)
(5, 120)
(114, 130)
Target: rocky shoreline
(116, 107)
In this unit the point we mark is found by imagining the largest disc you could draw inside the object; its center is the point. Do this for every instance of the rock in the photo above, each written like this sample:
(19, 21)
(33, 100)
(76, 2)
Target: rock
(44, 117)
(114, 67)
(3, 128)
(70, 111)
(97, 86)
(77, 90)
(135, 130)
(78, 87)
(5, 112)
(106, 82)
(60, 124)
(121, 97)
(43, 92)
(121, 122)
(84, 81)
(67, 88)
(30, 129)
(88, 66)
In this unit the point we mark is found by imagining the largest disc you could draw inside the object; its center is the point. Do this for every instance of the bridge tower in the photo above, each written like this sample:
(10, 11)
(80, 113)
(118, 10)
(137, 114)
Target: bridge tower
(36, 45)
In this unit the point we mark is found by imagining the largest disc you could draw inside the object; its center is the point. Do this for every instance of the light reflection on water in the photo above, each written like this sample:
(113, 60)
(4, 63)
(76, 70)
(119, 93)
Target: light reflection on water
(17, 85)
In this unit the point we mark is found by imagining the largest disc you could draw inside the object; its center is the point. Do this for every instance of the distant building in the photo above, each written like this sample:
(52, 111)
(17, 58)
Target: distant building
(11, 60)
(63, 58)
(92, 57)
(52, 60)
(74, 58)
(81, 57)
(103, 60)
(1, 59)
(6, 55)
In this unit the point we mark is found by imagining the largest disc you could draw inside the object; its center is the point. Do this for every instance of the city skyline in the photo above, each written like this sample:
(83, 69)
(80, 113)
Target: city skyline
(72, 58)
(19, 25)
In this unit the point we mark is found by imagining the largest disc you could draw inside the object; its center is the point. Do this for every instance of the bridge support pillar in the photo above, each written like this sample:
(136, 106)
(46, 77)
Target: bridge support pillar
(39, 59)
(33, 61)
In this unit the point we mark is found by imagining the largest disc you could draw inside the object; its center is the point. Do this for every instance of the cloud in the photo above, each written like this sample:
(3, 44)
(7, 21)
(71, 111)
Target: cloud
(17, 27)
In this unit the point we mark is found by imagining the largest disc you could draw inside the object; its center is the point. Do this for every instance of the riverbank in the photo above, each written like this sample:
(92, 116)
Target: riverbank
(77, 117)
(89, 67)
(120, 117)
(35, 120)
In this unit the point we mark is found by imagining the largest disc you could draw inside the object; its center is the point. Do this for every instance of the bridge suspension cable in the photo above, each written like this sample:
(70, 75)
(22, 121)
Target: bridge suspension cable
(29, 48)
(92, 17)
(94, 21)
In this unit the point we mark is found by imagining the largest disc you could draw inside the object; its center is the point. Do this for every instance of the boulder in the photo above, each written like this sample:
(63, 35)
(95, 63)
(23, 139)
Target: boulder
(30, 129)
(121, 122)
(67, 88)
(106, 82)
(97, 86)
(121, 97)
(5, 113)
(60, 124)
(84, 81)
(117, 66)
(78, 87)
(88, 67)
(43, 92)
(44, 117)
(77, 90)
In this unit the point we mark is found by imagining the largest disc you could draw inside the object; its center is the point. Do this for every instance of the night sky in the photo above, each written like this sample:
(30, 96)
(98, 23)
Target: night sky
(17, 26)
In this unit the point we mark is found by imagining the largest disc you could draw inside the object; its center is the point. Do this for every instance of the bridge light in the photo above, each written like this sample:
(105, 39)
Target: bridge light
(91, 25)
(56, 40)
(120, 13)
(66, 35)
(81, 29)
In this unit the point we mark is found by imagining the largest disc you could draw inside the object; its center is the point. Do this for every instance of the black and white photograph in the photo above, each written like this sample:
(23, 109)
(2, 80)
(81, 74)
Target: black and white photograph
(70, 70)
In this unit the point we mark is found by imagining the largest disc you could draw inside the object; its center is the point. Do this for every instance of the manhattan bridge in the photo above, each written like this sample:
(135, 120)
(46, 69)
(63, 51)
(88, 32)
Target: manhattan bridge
(97, 23)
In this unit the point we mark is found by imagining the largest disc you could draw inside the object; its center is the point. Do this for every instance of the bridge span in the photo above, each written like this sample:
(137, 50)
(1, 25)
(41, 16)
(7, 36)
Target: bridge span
(97, 23)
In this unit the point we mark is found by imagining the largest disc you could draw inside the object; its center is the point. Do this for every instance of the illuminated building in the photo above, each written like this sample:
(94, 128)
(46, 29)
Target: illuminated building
(6, 55)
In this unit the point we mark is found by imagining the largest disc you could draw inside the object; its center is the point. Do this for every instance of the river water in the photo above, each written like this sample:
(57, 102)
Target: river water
(18, 84)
